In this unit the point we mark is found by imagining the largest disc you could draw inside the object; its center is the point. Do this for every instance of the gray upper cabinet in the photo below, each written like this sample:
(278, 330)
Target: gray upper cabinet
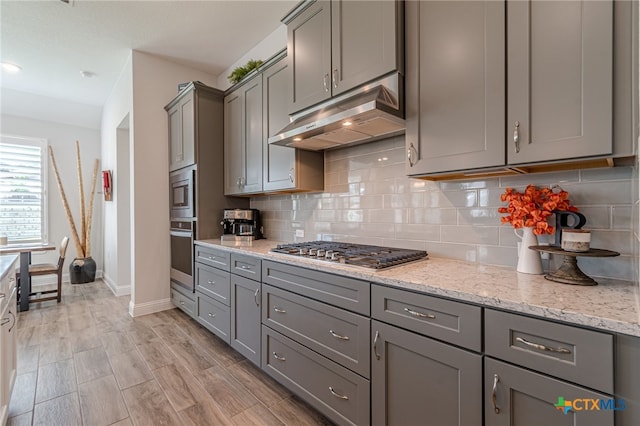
(455, 94)
(337, 45)
(557, 90)
(285, 169)
(182, 131)
(559, 86)
(243, 138)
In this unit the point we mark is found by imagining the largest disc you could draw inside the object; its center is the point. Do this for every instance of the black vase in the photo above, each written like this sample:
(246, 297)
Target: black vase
(82, 270)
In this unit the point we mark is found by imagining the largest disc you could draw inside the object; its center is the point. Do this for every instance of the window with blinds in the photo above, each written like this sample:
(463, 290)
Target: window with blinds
(23, 189)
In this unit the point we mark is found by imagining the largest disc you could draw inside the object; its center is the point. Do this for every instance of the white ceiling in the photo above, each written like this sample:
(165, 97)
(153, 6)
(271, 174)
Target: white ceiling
(53, 41)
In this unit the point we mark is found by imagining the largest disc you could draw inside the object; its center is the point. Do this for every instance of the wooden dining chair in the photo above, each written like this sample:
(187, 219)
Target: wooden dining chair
(37, 269)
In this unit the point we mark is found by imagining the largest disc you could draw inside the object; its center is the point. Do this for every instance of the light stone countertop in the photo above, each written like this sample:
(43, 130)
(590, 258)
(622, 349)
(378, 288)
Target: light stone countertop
(6, 262)
(612, 305)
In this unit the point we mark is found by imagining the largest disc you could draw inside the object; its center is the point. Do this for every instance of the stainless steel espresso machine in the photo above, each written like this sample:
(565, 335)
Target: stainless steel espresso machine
(241, 226)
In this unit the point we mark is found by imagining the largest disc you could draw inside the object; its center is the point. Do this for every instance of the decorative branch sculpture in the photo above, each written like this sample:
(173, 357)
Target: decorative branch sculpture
(82, 241)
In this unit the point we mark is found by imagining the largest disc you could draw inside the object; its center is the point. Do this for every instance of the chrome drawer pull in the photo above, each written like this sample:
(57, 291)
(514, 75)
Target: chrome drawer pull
(279, 310)
(211, 315)
(255, 297)
(419, 314)
(543, 347)
(182, 303)
(337, 395)
(375, 345)
(211, 257)
(245, 267)
(516, 136)
(2, 295)
(278, 357)
(210, 282)
(338, 336)
(494, 394)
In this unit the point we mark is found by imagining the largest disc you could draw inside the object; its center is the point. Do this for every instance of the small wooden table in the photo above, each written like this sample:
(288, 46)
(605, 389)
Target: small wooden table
(25, 251)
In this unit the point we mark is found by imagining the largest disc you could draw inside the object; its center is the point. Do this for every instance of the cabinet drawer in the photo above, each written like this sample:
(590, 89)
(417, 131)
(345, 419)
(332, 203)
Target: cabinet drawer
(214, 316)
(335, 333)
(182, 302)
(344, 292)
(212, 282)
(450, 321)
(338, 393)
(213, 257)
(246, 266)
(570, 353)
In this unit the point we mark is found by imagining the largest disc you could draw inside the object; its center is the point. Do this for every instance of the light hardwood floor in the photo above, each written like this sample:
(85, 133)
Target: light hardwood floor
(85, 361)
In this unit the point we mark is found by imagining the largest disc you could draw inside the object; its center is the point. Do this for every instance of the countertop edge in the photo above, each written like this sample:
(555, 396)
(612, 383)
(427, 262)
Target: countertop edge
(562, 314)
(6, 263)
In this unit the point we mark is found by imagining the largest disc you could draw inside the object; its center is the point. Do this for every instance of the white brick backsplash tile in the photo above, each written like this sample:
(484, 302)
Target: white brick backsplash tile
(454, 251)
(471, 234)
(446, 216)
(373, 202)
(598, 217)
(621, 217)
(609, 173)
(478, 216)
(417, 232)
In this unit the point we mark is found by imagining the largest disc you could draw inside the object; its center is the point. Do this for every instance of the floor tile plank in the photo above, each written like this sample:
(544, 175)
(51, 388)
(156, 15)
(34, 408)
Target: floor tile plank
(156, 354)
(64, 410)
(148, 405)
(21, 420)
(263, 387)
(55, 349)
(101, 402)
(226, 391)
(204, 413)
(258, 415)
(92, 364)
(24, 393)
(55, 379)
(130, 369)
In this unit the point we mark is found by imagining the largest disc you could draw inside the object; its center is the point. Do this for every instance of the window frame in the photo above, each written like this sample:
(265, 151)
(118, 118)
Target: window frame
(43, 144)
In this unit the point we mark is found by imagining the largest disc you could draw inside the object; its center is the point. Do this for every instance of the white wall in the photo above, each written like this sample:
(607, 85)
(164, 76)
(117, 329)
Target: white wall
(117, 107)
(62, 138)
(147, 84)
(272, 44)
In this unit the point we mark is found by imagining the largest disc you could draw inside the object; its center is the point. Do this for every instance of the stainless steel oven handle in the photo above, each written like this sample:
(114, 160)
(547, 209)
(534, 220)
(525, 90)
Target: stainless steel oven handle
(186, 234)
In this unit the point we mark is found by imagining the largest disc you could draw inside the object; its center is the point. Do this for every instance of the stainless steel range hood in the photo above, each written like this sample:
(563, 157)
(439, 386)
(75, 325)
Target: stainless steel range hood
(372, 112)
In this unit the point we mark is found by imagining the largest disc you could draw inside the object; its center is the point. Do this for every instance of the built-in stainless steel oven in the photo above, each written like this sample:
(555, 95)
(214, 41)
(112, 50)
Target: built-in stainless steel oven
(182, 234)
(182, 193)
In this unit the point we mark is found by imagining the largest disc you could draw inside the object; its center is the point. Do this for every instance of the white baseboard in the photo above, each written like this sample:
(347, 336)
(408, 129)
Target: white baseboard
(117, 290)
(139, 309)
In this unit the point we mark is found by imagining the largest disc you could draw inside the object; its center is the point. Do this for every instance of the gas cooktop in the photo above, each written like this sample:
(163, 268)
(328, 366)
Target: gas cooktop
(371, 257)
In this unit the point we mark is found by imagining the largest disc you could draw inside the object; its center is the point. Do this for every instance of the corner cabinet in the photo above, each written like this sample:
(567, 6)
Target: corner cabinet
(337, 45)
(558, 96)
(285, 169)
(243, 138)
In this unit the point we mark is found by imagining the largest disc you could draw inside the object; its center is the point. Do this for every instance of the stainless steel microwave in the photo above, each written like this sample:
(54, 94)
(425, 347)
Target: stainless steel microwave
(182, 193)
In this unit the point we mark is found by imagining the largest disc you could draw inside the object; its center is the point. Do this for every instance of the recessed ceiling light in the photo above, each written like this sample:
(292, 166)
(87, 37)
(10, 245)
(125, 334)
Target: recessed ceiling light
(297, 139)
(347, 123)
(87, 74)
(12, 68)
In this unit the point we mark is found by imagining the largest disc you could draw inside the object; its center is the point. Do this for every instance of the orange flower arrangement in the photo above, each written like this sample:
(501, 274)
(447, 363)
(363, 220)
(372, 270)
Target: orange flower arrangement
(533, 207)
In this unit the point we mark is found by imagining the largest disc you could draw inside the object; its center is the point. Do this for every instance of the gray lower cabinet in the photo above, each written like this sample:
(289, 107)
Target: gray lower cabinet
(183, 300)
(214, 316)
(340, 394)
(245, 317)
(515, 396)
(416, 380)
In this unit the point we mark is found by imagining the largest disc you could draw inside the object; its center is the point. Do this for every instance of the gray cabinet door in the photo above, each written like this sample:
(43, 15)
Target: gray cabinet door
(515, 396)
(416, 380)
(182, 133)
(285, 169)
(243, 138)
(559, 84)
(455, 85)
(364, 41)
(245, 317)
(279, 161)
(233, 151)
(309, 50)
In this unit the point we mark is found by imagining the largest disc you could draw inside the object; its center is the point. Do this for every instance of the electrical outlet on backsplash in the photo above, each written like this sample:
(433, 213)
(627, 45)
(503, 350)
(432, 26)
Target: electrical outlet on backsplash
(372, 202)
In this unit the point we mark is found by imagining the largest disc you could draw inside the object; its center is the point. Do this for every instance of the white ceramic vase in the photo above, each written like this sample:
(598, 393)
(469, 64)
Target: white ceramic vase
(529, 261)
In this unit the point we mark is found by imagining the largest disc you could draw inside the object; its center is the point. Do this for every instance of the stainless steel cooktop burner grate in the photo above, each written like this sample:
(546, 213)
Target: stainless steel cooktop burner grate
(372, 257)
